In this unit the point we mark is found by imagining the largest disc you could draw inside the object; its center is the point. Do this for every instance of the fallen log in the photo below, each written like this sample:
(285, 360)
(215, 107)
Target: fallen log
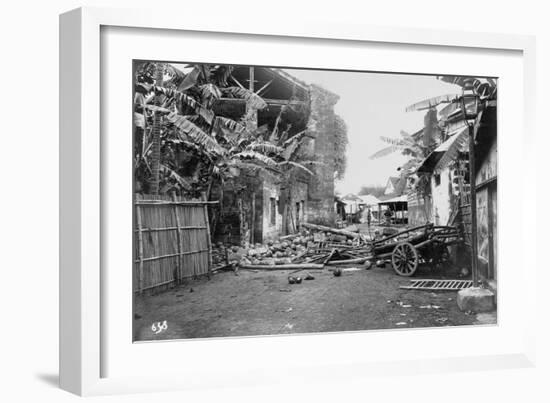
(297, 266)
(348, 261)
(322, 228)
(289, 237)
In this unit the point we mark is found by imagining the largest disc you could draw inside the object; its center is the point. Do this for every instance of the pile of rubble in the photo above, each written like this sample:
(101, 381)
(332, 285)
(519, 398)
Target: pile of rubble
(272, 252)
(314, 247)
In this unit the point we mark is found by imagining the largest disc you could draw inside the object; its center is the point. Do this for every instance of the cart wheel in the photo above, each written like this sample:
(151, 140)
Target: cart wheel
(404, 259)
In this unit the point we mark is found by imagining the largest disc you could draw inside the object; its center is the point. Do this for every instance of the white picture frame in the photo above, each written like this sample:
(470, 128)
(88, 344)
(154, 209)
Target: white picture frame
(83, 189)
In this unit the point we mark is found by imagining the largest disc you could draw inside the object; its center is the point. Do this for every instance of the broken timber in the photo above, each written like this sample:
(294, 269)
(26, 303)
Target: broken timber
(298, 266)
(322, 228)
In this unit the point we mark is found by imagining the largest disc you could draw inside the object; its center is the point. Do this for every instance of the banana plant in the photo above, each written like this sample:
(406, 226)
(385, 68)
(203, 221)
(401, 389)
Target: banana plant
(181, 111)
(405, 144)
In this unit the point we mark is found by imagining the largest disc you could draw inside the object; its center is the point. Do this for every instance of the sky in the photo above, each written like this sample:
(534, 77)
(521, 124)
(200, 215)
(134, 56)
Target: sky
(373, 105)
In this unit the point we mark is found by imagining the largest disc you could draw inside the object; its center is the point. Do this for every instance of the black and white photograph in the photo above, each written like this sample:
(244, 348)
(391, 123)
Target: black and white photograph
(270, 200)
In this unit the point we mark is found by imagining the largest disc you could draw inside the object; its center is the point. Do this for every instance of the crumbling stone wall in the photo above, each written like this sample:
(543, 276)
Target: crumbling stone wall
(239, 204)
(321, 127)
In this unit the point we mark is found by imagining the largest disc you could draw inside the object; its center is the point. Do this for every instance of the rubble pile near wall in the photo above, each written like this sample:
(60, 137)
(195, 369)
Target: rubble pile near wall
(281, 251)
(315, 246)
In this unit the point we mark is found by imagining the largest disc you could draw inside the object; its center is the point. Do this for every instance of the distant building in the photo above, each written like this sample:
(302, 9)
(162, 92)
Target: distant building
(395, 186)
(394, 200)
(446, 178)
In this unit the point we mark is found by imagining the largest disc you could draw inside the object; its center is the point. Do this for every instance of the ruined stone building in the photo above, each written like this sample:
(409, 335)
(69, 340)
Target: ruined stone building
(256, 207)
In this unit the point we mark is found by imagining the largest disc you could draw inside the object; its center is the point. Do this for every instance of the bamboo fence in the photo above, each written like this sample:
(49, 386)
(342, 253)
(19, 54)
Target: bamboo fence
(171, 240)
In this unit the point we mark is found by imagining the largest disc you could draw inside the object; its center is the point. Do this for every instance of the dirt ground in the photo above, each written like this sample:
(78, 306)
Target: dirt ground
(264, 303)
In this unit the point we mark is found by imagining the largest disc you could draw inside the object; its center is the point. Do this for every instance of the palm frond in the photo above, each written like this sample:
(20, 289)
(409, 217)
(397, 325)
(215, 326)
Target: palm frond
(451, 127)
(228, 124)
(383, 152)
(296, 165)
(254, 155)
(155, 108)
(431, 102)
(393, 142)
(275, 132)
(175, 75)
(297, 136)
(255, 168)
(459, 144)
(196, 134)
(204, 71)
(265, 148)
(253, 100)
(184, 99)
(221, 74)
(484, 87)
(143, 88)
(261, 131)
(170, 173)
(407, 137)
(190, 80)
(449, 109)
(210, 93)
(312, 162)
(291, 149)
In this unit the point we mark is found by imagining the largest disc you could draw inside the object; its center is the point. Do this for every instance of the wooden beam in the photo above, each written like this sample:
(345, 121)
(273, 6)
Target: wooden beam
(251, 78)
(296, 266)
(237, 82)
(264, 87)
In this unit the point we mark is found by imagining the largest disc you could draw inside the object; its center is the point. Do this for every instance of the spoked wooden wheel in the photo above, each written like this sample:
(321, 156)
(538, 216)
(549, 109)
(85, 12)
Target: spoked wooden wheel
(404, 259)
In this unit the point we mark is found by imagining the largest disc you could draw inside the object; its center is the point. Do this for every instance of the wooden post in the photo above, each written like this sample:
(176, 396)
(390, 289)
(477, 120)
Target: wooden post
(140, 248)
(473, 206)
(208, 240)
(490, 223)
(400, 211)
(155, 133)
(251, 88)
(179, 240)
(241, 219)
(253, 219)
(251, 82)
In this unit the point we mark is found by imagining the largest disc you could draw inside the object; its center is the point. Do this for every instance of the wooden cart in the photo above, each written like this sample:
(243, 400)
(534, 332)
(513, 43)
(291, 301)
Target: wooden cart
(423, 244)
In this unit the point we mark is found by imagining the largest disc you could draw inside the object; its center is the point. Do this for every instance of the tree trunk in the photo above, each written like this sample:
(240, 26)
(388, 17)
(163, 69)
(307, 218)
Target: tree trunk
(322, 228)
(155, 148)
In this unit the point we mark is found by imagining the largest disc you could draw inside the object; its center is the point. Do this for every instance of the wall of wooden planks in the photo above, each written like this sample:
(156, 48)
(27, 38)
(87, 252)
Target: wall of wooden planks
(171, 240)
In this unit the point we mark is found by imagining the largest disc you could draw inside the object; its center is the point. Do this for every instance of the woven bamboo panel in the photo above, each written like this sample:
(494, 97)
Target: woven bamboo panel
(171, 240)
